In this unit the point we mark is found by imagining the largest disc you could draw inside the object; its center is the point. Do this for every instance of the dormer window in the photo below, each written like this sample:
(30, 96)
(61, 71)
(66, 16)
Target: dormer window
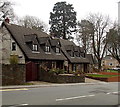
(58, 43)
(73, 54)
(13, 46)
(47, 48)
(35, 47)
(57, 50)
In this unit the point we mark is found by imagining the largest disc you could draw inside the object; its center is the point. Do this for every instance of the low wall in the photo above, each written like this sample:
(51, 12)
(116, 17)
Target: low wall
(114, 79)
(109, 73)
(61, 78)
(67, 79)
(13, 74)
(110, 79)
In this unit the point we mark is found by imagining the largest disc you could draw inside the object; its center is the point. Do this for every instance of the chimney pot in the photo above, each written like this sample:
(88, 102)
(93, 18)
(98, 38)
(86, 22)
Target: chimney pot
(7, 20)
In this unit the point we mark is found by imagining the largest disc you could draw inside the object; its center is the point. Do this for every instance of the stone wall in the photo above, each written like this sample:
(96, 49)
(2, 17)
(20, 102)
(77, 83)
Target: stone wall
(61, 78)
(13, 74)
(67, 79)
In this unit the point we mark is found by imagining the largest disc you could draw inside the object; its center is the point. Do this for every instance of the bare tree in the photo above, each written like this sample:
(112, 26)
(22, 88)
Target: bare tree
(33, 23)
(84, 35)
(99, 25)
(6, 10)
(113, 46)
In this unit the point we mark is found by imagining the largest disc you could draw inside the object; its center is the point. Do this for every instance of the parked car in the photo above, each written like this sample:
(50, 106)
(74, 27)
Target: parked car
(116, 68)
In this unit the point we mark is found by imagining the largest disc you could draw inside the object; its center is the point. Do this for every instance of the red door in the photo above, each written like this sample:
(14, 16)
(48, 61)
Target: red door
(31, 71)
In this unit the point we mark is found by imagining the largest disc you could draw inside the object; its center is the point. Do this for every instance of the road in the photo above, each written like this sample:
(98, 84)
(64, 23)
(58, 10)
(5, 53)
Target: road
(83, 94)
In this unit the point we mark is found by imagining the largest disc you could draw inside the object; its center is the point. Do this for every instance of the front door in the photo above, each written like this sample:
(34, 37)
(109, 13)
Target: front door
(32, 71)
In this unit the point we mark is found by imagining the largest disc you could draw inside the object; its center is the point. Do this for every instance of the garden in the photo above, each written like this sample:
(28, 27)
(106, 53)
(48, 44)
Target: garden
(107, 75)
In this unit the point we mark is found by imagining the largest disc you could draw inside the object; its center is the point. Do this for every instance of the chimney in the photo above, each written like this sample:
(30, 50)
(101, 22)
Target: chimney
(7, 20)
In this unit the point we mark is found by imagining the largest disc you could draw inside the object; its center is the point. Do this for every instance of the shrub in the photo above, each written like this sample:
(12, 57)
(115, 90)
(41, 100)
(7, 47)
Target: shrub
(57, 71)
(78, 73)
(71, 72)
(13, 59)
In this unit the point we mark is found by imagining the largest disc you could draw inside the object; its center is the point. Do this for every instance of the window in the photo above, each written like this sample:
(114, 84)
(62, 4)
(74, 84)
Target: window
(35, 47)
(79, 55)
(13, 46)
(58, 43)
(47, 49)
(57, 50)
(73, 54)
(74, 67)
(110, 64)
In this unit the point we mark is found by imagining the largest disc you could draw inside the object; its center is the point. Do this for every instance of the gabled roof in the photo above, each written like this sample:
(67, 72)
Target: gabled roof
(43, 40)
(55, 42)
(67, 44)
(76, 48)
(90, 58)
(21, 34)
(30, 37)
(69, 47)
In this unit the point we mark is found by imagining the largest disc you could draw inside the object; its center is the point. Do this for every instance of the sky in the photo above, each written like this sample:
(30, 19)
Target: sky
(42, 8)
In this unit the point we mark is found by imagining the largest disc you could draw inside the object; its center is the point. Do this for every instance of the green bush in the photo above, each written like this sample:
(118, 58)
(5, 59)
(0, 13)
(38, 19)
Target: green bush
(78, 73)
(57, 71)
(13, 59)
(71, 72)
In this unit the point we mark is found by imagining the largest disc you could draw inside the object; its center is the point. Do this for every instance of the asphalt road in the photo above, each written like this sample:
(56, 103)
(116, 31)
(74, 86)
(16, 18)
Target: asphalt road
(83, 94)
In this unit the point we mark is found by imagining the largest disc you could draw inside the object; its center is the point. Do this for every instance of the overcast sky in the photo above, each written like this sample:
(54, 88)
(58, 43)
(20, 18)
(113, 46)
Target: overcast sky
(42, 8)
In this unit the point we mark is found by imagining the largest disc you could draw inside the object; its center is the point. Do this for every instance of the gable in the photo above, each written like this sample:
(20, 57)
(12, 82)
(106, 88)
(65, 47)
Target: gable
(7, 47)
(19, 33)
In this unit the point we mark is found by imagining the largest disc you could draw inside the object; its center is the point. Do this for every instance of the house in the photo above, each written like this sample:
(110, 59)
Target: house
(109, 62)
(75, 55)
(92, 62)
(37, 50)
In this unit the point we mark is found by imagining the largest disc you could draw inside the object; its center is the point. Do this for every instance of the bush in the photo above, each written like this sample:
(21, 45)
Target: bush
(57, 71)
(78, 73)
(13, 59)
(71, 72)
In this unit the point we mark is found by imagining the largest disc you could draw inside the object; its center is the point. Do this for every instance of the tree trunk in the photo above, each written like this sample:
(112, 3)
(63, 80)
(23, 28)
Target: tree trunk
(119, 61)
(99, 65)
(64, 27)
(64, 34)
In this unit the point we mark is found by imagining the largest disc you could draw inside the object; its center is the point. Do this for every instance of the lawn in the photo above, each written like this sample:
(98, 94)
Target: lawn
(101, 75)
(112, 71)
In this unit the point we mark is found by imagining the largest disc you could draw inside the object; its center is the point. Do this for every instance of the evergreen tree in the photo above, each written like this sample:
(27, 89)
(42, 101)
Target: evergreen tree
(62, 20)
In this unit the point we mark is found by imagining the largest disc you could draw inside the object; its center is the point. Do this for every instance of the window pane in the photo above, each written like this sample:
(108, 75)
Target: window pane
(13, 46)
(35, 47)
(57, 50)
(47, 49)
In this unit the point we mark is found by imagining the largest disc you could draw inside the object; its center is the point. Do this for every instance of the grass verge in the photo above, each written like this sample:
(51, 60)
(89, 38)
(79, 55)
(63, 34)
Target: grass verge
(101, 75)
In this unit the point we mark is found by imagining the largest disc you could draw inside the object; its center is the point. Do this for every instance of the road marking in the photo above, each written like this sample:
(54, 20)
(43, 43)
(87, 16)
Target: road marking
(18, 105)
(70, 98)
(91, 95)
(112, 92)
(14, 89)
(103, 82)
